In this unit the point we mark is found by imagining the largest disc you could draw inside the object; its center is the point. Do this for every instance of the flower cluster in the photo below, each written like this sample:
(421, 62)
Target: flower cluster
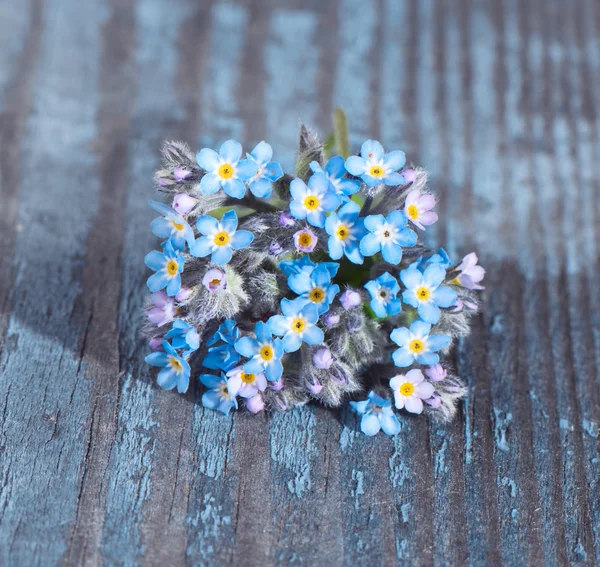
(275, 289)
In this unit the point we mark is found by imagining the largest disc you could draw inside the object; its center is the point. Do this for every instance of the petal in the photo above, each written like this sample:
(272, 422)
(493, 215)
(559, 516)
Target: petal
(298, 189)
(229, 221)
(313, 336)
(403, 357)
(155, 260)
(253, 366)
(201, 247)
(369, 424)
(335, 167)
(400, 336)
(349, 212)
(262, 153)
(394, 307)
(300, 283)
(210, 183)
(310, 313)
(429, 312)
(263, 335)
(444, 296)
(241, 239)
(424, 390)
(392, 253)
(261, 188)
(434, 275)
(207, 224)
(420, 328)
(336, 250)
(393, 179)
(348, 186)
(378, 308)
(373, 222)
(369, 245)
(371, 150)
(352, 252)
(210, 380)
(246, 169)
(278, 325)
(230, 151)
(211, 399)
(234, 187)
(427, 358)
(157, 281)
(428, 218)
(274, 371)
(174, 285)
(330, 201)
(411, 278)
(221, 255)
(207, 159)
(394, 160)
(413, 405)
(273, 171)
(297, 210)
(319, 184)
(356, 165)
(360, 407)
(161, 227)
(157, 359)
(316, 218)
(247, 346)
(415, 376)
(167, 378)
(437, 342)
(292, 342)
(390, 424)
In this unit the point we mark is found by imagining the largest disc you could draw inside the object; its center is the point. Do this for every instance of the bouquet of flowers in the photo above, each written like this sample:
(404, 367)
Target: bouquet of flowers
(276, 289)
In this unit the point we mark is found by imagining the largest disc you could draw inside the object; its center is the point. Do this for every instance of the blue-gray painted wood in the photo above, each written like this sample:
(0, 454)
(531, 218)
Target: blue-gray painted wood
(498, 100)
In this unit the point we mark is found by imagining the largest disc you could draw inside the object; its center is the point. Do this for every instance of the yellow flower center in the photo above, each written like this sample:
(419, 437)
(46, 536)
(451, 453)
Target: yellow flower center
(266, 353)
(176, 364)
(298, 325)
(413, 212)
(416, 346)
(407, 389)
(311, 202)
(215, 282)
(226, 171)
(305, 239)
(221, 238)
(342, 232)
(172, 267)
(423, 293)
(178, 226)
(247, 378)
(224, 391)
(317, 295)
(376, 171)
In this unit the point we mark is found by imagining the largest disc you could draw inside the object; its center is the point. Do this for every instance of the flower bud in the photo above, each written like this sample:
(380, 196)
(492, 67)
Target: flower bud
(276, 385)
(315, 388)
(322, 359)
(410, 175)
(350, 299)
(255, 404)
(183, 294)
(181, 174)
(436, 373)
(331, 319)
(286, 220)
(183, 203)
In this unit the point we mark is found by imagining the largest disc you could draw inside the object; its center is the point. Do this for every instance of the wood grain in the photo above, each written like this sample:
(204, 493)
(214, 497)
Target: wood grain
(498, 100)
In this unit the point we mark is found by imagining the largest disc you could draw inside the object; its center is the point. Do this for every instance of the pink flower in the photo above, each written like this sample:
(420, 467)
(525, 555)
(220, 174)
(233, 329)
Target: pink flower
(417, 209)
(255, 404)
(164, 310)
(436, 373)
(183, 203)
(305, 240)
(322, 359)
(214, 280)
(350, 299)
(410, 390)
(470, 273)
(244, 384)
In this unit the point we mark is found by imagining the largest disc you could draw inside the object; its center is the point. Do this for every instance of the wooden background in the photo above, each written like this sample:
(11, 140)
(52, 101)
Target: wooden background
(499, 100)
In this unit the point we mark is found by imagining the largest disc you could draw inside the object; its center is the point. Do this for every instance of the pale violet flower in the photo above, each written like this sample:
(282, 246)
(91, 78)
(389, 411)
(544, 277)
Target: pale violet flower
(388, 235)
(345, 230)
(214, 280)
(312, 201)
(220, 238)
(183, 203)
(424, 292)
(255, 404)
(377, 414)
(246, 384)
(350, 299)
(305, 240)
(417, 209)
(268, 171)
(334, 171)
(322, 359)
(410, 390)
(417, 345)
(436, 373)
(375, 167)
(164, 309)
(297, 324)
(470, 273)
(225, 170)
(383, 291)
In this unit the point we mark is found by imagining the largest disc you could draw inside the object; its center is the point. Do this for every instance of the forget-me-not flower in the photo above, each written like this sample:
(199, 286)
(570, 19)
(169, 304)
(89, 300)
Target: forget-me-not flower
(417, 208)
(227, 332)
(222, 357)
(410, 390)
(184, 336)
(315, 287)
(377, 413)
(220, 238)
(168, 266)
(225, 170)
(334, 171)
(424, 292)
(417, 345)
(305, 264)
(345, 230)
(297, 324)
(220, 395)
(383, 291)
(388, 235)
(268, 171)
(171, 225)
(264, 352)
(312, 201)
(246, 384)
(470, 272)
(175, 369)
(375, 167)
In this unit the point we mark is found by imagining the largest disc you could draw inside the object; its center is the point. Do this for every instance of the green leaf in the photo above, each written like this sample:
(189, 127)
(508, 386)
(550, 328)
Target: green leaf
(328, 146)
(340, 132)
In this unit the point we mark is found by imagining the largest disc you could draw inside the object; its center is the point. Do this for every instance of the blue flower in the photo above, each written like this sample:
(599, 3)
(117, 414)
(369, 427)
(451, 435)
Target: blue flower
(225, 170)
(313, 201)
(345, 230)
(440, 257)
(387, 235)
(335, 171)
(171, 225)
(424, 292)
(219, 396)
(417, 345)
(315, 287)
(264, 353)
(375, 167)
(297, 324)
(377, 413)
(220, 238)
(383, 293)
(184, 336)
(227, 332)
(304, 264)
(175, 369)
(168, 266)
(222, 357)
(268, 171)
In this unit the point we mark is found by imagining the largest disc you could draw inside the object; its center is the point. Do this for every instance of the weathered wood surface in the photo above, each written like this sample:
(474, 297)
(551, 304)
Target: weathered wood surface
(499, 100)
